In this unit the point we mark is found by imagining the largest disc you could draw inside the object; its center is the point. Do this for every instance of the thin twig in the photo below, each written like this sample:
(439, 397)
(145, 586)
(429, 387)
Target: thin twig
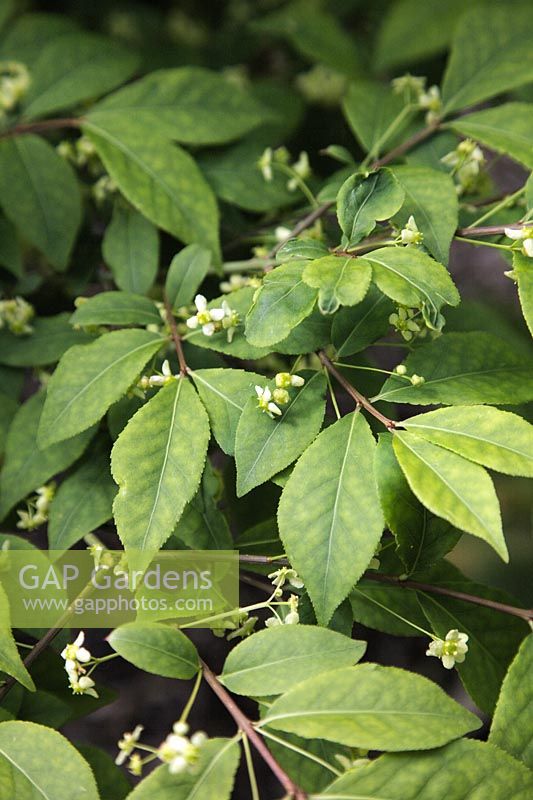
(42, 126)
(247, 727)
(360, 399)
(489, 230)
(176, 338)
(523, 613)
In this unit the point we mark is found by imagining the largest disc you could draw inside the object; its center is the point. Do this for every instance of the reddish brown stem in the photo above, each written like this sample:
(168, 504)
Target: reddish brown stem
(488, 230)
(523, 613)
(246, 726)
(360, 399)
(412, 141)
(176, 338)
(42, 126)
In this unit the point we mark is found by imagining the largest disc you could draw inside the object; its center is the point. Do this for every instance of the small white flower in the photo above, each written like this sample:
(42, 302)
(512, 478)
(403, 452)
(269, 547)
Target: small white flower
(75, 653)
(417, 380)
(265, 164)
(284, 380)
(401, 369)
(180, 753)
(524, 235)
(264, 402)
(162, 380)
(292, 617)
(450, 650)
(205, 317)
(234, 282)
(410, 234)
(82, 685)
(273, 622)
(286, 575)
(230, 320)
(302, 170)
(126, 745)
(282, 233)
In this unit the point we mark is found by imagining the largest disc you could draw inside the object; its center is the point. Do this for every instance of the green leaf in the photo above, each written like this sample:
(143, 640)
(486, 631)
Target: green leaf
(430, 196)
(361, 202)
(44, 764)
(276, 659)
(202, 526)
(412, 278)
(130, 248)
(187, 270)
(26, 467)
(159, 178)
(29, 33)
(75, 68)
(506, 128)
(189, 104)
(512, 726)
(115, 308)
(217, 764)
(464, 368)
(318, 36)
(111, 781)
(50, 338)
(493, 638)
(156, 648)
(456, 772)
(10, 660)
(436, 21)
(237, 179)
(387, 608)
(10, 249)
(84, 500)
(167, 436)
(89, 378)
(39, 193)
(354, 329)
(421, 538)
(373, 707)
(8, 408)
(265, 446)
(283, 301)
(496, 439)
(341, 280)
(370, 109)
(224, 393)
(523, 273)
(302, 249)
(490, 55)
(452, 488)
(334, 476)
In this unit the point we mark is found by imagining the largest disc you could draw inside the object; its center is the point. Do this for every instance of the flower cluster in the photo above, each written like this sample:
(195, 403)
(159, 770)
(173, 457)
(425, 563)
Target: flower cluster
(269, 402)
(322, 85)
(166, 376)
(416, 380)
(38, 506)
(524, 236)
(213, 320)
(16, 315)
(14, 84)
(75, 656)
(236, 281)
(466, 161)
(450, 650)
(291, 618)
(409, 234)
(414, 91)
(300, 170)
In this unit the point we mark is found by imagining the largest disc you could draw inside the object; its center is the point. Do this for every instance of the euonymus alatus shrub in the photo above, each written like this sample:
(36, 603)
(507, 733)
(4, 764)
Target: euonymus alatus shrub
(325, 404)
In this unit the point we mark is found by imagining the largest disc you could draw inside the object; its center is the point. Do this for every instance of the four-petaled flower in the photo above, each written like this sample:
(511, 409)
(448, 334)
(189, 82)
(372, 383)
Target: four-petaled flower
(410, 233)
(450, 650)
(264, 402)
(127, 744)
(206, 317)
(179, 752)
(82, 684)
